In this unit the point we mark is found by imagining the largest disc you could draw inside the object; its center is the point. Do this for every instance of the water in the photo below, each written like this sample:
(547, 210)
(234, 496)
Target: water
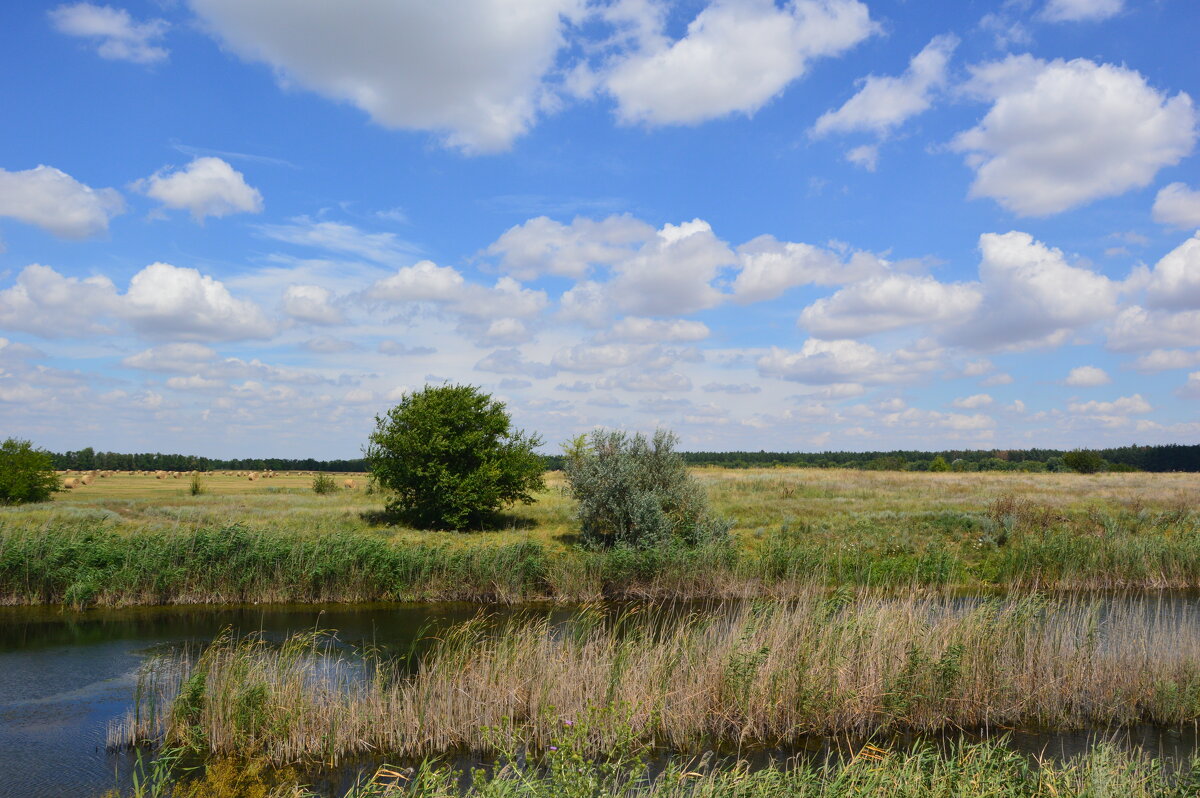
(64, 675)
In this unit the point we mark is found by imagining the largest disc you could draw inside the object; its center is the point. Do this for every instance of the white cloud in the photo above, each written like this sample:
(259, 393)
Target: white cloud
(176, 302)
(311, 304)
(1175, 281)
(668, 382)
(57, 202)
(592, 358)
(1167, 359)
(888, 303)
(768, 268)
(544, 246)
(511, 361)
(205, 187)
(731, 388)
(1087, 377)
(973, 402)
(1177, 205)
(46, 303)
(997, 379)
(1063, 133)
(864, 155)
(1136, 328)
(635, 329)
(1081, 10)
(397, 349)
(1125, 405)
(1191, 388)
(673, 273)
(424, 281)
(821, 362)
(472, 70)
(735, 56)
(328, 345)
(883, 103)
(117, 36)
(180, 357)
(338, 237)
(1031, 296)
(194, 383)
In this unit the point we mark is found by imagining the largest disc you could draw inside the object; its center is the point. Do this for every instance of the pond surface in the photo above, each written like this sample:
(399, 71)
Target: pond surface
(65, 675)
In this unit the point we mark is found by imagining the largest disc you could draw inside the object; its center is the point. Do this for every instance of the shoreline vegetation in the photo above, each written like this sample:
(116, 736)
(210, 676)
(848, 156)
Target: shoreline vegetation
(135, 540)
(758, 674)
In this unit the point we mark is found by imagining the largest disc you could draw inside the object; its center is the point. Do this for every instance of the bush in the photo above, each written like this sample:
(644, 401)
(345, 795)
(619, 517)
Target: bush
(1085, 461)
(939, 464)
(323, 483)
(451, 458)
(26, 474)
(637, 492)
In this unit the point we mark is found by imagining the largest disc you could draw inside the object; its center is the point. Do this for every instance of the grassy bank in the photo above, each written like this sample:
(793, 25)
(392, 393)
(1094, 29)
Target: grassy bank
(763, 673)
(984, 770)
(794, 529)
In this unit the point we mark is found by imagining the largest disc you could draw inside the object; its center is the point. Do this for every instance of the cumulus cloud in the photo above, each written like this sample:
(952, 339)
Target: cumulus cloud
(973, 402)
(1177, 205)
(46, 303)
(1124, 406)
(769, 267)
(397, 349)
(511, 361)
(116, 35)
(731, 388)
(328, 345)
(673, 273)
(1031, 295)
(1167, 359)
(544, 246)
(888, 303)
(205, 187)
(1063, 133)
(735, 56)
(1191, 388)
(819, 362)
(471, 70)
(58, 203)
(311, 304)
(1175, 280)
(668, 382)
(178, 302)
(171, 358)
(1081, 10)
(635, 329)
(884, 102)
(424, 281)
(1136, 328)
(1087, 377)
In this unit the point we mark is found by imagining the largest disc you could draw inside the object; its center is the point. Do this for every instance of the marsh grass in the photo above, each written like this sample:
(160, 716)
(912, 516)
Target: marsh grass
(762, 673)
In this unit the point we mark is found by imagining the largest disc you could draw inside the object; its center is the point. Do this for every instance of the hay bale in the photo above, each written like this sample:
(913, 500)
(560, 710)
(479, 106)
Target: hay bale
(70, 482)
(349, 484)
(252, 477)
(176, 475)
(85, 480)
(160, 474)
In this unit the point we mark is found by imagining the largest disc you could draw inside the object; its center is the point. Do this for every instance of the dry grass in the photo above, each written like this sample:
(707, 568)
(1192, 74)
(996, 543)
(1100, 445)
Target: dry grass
(760, 673)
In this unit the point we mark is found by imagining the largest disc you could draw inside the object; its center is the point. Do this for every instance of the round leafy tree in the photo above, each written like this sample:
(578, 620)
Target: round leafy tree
(26, 474)
(451, 459)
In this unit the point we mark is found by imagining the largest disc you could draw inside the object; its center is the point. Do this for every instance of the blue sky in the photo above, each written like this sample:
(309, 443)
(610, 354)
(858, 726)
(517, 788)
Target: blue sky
(245, 227)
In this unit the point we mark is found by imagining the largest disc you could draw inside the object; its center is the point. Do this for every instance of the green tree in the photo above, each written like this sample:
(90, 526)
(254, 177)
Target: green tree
(26, 474)
(1085, 461)
(939, 464)
(451, 459)
(637, 492)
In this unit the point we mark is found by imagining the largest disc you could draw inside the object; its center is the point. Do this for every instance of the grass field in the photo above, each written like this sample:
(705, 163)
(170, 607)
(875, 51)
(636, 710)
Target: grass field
(136, 539)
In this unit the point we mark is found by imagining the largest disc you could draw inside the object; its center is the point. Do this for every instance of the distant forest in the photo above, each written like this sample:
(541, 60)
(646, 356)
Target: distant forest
(1173, 457)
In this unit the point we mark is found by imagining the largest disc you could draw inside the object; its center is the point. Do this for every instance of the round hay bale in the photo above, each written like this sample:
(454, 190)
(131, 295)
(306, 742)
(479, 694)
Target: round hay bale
(70, 482)
(85, 480)
(252, 477)
(349, 484)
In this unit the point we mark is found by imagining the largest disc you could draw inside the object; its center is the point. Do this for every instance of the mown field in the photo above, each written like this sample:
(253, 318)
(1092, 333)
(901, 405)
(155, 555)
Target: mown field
(128, 539)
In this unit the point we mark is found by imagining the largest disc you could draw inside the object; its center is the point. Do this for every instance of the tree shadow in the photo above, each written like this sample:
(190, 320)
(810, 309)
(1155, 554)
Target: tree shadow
(492, 522)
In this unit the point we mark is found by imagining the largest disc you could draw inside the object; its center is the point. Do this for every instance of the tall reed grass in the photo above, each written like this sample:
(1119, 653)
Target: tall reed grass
(760, 673)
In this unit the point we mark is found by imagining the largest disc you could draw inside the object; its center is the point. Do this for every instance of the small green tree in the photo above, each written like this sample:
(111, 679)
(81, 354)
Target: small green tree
(26, 474)
(637, 492)
(1085, 461)
(451, 459)
(323, 483)
(939, 464)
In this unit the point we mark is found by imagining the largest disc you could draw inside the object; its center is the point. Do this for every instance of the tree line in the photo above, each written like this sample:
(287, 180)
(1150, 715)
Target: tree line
(1170, 457)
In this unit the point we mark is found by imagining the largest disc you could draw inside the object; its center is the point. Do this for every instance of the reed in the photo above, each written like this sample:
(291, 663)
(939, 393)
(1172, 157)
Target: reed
(761, 673)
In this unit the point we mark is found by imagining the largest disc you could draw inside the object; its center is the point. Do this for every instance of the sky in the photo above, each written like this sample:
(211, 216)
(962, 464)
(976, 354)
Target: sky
(242, 228)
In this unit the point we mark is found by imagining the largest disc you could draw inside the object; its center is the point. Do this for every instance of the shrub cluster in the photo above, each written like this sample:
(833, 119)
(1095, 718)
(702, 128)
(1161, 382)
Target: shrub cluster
(637, 492)
(26, 474)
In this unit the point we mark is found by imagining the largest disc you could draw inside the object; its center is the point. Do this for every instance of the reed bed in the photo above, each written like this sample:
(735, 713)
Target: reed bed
(760, 673)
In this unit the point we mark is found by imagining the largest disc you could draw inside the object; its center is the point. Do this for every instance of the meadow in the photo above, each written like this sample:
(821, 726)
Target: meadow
(849, 605)
(135, 539)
